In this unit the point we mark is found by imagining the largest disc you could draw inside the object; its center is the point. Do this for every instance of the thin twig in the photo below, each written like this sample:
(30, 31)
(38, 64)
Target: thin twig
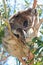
(4, 58)
(5, 9)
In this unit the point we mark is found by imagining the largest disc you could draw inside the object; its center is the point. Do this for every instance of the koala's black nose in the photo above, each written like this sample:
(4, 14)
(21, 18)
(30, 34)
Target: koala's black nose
(25, 24)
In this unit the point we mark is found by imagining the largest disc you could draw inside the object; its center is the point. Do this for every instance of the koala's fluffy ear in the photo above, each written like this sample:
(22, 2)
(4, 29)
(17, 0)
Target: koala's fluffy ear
(34, 12)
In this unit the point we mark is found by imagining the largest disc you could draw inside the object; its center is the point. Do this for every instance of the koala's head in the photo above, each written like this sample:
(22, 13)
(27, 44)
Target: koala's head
(23, 20)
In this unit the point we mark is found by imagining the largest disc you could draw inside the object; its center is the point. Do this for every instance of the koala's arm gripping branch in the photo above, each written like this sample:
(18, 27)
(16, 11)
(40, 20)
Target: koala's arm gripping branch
(34, 34)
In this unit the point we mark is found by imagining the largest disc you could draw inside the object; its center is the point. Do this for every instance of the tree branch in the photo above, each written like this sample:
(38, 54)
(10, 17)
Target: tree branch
(34, 3)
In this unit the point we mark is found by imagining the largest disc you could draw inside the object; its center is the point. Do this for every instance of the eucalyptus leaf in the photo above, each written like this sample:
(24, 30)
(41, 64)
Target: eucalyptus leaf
(40, 12)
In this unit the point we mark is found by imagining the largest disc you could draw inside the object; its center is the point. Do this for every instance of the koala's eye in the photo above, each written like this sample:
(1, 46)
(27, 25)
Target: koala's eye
(25, 24)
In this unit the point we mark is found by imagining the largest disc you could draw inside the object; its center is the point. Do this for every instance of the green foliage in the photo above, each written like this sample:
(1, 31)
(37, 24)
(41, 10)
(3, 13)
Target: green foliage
(27, 3)
(5, 14)
(14, 11)
(40, 12)
(38, 63)
(1, 33)
(35, 39)
(41, 31)
(5, 10)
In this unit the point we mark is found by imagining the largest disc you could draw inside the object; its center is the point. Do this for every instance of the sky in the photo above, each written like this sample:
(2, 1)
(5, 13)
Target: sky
(39, 1)
(20, 4)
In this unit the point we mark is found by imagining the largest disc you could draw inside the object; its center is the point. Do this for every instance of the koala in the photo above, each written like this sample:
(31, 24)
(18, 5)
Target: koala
(22, 22)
